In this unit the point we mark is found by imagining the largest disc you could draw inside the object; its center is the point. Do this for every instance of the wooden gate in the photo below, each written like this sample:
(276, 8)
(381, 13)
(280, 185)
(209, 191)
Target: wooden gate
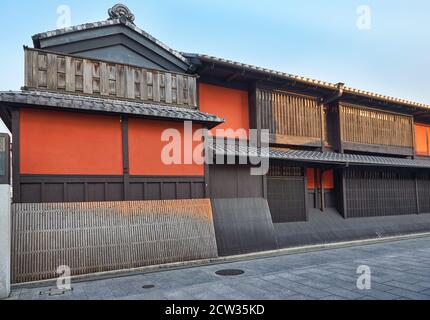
(101, 236)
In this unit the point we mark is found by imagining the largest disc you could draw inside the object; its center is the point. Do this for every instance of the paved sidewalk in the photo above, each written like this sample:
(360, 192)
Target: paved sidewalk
(400, 270)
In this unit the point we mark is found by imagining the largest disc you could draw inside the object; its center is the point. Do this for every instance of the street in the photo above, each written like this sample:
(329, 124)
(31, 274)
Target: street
(399, 270)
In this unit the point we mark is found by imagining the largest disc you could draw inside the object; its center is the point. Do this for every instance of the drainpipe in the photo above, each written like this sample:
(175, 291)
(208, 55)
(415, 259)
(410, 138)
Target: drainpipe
(335, 97)
(339, 93)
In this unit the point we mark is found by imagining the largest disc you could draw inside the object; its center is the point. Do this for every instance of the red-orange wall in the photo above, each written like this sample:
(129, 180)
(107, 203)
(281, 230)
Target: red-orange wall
(229, 104)
(53, 142)
(328, 178)
(421, 141)
(145, 148)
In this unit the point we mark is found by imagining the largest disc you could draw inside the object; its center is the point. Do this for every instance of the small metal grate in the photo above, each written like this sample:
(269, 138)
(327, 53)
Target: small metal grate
(148, 286)
(229, 272)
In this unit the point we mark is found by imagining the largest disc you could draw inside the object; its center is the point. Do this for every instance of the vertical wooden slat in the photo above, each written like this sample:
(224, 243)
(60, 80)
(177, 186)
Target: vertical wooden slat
(129, 82)
(192, 92)
(180, 89)
(104, 79)
(120, 81)
(168, 87)
(156, 86)
(51, 72)
(28, 81)
(103, 236)
(70, 74)
(87, 77)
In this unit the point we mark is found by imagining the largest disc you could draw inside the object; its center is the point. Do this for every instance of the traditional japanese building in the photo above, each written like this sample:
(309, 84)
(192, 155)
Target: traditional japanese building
(90, 188)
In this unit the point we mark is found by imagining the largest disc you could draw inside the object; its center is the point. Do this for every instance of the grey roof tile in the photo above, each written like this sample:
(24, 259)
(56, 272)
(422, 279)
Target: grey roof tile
(69, 101)
(310, 81)
(319, 157)
(100, 24)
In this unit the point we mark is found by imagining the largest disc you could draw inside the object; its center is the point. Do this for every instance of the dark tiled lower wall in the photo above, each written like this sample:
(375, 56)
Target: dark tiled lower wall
(60, 188)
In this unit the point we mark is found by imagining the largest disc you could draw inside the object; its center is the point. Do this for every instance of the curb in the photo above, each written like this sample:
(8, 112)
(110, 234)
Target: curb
(220, 260)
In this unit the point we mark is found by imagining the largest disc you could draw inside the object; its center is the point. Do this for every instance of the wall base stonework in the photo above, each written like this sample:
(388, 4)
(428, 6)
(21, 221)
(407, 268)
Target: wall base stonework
(101, 236)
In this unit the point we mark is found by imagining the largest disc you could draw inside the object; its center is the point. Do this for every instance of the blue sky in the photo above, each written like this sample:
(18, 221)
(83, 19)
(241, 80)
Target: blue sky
(314, 38)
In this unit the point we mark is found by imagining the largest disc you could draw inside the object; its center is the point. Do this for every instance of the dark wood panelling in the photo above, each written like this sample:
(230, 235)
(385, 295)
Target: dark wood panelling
(379, 193)
(286, 199)
(60, 188)
(234, 181)
(286, 193)
(423, 190)
(373, 148)
(314, 199)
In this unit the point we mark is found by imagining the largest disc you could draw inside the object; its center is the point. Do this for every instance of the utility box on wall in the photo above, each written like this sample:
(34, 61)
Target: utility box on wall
(5, 202)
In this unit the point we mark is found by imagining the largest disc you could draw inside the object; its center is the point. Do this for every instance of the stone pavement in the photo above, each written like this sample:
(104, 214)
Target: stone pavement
(399, 270)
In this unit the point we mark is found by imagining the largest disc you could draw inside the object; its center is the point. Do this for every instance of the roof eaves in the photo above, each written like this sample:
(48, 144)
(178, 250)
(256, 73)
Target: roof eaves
(69, 101)
(320, 157)
(87, 26)
(309, 81)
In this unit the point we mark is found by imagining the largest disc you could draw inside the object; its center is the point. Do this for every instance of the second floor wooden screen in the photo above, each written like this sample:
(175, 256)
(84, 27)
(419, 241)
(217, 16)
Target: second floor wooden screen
(290, 115)
(375, 127)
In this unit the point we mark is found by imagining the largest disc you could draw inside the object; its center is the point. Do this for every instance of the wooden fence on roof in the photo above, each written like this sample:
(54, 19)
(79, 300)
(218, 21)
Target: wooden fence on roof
(72, 74)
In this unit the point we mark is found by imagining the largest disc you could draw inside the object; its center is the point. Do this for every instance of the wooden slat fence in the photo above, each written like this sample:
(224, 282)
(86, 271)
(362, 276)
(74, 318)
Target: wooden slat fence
(102, 236)
(65, 73)
(371, 193)
(375, 127)
(290, 115)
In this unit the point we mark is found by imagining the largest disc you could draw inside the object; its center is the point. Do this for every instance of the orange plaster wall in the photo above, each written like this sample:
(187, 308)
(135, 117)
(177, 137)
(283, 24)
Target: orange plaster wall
(422, 147)
(145, 149)
(229, 104)
(53, 142)
(327, 178)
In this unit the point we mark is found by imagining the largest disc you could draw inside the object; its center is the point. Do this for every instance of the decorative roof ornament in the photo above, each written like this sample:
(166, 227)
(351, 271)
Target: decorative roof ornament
(121, 12)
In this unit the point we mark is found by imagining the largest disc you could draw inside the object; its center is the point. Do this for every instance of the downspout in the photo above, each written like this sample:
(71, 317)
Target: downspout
(336, 96)
(333, 98)
(339, 93)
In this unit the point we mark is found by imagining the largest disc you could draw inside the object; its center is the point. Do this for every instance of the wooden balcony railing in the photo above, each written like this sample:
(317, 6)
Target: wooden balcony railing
(72, 74)
(291, 119)
(370, 130)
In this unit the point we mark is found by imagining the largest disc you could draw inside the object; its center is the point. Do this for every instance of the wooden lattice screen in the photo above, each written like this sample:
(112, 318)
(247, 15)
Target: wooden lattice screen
(379, 193)
(58, 72)
(375, 127)
(290, 115)
(100, 236)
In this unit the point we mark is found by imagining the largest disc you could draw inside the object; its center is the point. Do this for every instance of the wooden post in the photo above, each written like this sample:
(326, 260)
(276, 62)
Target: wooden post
(125, 157)
(322, 125)
(343, 191)
(16, 156)
(417, 193)
(322, 207)
(305, 183)
(340, 126)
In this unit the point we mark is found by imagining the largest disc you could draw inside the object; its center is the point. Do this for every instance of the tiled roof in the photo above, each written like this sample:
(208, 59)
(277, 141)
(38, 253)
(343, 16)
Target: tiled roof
(319, 157)
(69, 101)
(319, 83)
(113, 22)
